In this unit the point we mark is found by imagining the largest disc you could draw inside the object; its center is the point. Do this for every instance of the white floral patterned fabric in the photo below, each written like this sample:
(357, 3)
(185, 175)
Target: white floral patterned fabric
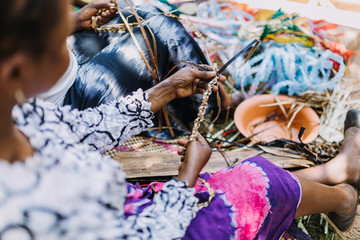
(68, 190)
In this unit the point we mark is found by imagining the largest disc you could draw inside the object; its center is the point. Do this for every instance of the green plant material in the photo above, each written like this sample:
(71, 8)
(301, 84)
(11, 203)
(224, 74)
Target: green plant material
(317, 228)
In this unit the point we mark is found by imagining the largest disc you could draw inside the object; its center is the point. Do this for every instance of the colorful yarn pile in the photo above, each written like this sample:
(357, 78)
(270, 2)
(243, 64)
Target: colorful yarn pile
(290, 68)
(229, 21)
(296, 54)
(284, 28)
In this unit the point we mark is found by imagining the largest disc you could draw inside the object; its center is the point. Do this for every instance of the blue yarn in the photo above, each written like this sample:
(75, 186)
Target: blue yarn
(294, 68)
(215, 10)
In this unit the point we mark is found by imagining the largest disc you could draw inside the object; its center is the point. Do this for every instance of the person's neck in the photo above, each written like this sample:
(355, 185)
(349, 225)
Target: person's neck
(14, 146)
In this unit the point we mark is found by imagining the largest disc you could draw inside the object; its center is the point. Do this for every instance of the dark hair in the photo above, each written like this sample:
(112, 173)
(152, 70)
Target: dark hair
(26, 25)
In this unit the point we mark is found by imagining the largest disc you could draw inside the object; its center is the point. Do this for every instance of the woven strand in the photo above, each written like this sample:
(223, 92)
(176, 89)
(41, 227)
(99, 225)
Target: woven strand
(210, 191)
(202, 108)
(211, 84)
(152, 52)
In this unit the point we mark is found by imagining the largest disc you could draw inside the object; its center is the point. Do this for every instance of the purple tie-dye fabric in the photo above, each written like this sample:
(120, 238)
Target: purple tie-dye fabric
(254, 200)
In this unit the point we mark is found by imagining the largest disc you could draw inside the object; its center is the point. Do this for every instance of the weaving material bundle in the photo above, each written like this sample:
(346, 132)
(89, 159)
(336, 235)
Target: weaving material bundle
(290, 68)
(296, 54)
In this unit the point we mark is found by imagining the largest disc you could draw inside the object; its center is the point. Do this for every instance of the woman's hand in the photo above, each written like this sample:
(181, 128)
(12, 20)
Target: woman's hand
(82, 18)
(185, 82)
(190, 80)
(197, 154)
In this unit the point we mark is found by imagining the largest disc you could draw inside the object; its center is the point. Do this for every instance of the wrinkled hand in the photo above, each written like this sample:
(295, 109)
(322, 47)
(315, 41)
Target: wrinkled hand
(190, 80)
(197, 154)
(83, 16)
(185, 82)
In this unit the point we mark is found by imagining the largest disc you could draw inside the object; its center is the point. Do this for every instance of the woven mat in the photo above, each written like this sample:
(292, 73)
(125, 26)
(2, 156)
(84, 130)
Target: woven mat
(142, 144)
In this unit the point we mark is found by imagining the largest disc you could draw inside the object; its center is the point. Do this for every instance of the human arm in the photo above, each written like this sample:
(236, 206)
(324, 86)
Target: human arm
(137, 116)
(193, 159)
(136, 111)
(83, 194)
(110, 124)
(170, 214)
(185, 82)
(82, 18)
(102, 127)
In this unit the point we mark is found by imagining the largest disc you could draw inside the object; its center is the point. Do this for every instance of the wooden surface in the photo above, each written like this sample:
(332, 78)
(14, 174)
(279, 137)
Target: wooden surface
(142, 165)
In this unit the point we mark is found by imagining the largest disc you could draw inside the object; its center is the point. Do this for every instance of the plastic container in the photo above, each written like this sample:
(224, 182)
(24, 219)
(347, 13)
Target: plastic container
(268, 123)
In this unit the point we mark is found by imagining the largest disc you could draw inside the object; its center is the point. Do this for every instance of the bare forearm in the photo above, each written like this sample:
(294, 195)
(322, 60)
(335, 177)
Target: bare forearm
(188, 175)
(77, 26)
(160, 95)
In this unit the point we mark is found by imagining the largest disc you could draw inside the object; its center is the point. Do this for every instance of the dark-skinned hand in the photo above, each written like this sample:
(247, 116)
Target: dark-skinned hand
(83, 16)
(190, 80)
(185, 82)
(197, 154)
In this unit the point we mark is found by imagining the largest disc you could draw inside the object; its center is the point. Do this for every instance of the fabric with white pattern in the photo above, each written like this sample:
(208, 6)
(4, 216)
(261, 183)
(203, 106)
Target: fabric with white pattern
(68, 190)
